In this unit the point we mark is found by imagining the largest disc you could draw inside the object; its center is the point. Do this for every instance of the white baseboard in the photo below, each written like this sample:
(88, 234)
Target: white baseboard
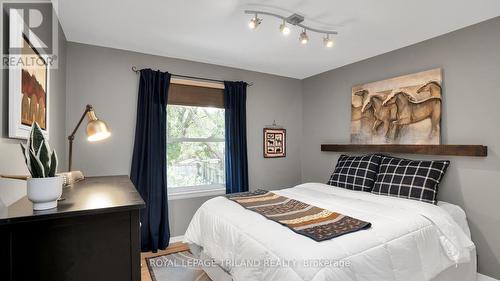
(181, 237)
(481, 277)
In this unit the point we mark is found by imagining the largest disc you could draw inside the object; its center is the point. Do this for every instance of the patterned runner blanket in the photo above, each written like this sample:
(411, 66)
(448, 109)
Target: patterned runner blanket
(313, 222)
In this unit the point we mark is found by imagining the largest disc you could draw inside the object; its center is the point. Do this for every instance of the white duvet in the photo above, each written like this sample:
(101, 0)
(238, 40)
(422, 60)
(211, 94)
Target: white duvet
(408, 240)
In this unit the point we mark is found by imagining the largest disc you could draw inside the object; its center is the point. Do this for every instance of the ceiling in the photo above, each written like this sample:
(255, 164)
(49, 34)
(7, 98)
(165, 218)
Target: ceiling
(216, 31)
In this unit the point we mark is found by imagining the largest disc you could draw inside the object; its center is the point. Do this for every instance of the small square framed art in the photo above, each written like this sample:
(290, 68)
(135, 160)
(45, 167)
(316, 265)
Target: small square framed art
(274, 143)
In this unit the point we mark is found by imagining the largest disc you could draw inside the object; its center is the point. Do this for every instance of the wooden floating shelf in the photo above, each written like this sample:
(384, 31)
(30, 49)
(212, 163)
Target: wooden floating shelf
(447, 149)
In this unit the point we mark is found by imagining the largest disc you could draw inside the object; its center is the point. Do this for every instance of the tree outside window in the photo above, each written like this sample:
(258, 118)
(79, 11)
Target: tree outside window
(195, 146)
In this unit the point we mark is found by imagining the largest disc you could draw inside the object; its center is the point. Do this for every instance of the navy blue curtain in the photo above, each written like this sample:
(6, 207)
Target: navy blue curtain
(235, 96)
(149, 161)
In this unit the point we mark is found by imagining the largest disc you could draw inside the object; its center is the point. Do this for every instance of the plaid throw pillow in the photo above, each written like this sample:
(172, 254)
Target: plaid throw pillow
(418, 180)
(355, 172)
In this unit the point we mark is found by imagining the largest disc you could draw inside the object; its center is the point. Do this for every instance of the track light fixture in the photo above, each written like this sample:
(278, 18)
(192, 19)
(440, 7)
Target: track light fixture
(327, 41)
(296, 20)
(303, 38)
(254, 22)
(285, 30)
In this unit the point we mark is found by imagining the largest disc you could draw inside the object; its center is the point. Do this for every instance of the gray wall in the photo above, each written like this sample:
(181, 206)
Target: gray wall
(470, 59)
(103, 77)
(11, 161)
(314, 111)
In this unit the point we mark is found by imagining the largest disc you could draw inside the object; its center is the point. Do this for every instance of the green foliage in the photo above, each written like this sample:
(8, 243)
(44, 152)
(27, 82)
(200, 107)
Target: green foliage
(195, 122)
(195, 150)
(40, 159)
(53, 164)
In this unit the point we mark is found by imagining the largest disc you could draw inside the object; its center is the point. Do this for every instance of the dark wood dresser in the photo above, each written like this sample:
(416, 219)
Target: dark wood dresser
(93, 234)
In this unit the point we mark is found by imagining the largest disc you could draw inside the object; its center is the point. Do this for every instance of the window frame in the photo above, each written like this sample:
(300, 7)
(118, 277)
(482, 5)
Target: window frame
(185, 192)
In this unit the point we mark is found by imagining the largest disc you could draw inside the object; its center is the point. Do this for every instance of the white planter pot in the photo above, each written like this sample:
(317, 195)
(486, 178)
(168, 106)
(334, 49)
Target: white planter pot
(44, 192)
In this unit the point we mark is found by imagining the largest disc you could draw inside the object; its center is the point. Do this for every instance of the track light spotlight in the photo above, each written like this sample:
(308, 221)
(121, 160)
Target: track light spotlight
(292, 20)
(303, 38)
(327, 41)
(285, 30)
(254, 22)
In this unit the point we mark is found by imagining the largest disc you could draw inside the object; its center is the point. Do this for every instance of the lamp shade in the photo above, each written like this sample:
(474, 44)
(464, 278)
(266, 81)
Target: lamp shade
(96, 129)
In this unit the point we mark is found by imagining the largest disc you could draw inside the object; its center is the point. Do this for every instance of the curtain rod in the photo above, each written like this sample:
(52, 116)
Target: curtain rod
(136, 70)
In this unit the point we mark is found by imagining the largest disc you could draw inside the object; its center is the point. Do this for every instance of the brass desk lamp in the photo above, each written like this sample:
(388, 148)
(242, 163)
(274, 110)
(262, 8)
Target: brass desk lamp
(96, 130)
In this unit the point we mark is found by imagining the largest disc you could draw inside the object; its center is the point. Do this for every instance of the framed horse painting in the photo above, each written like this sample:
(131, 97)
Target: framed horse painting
(400, 110)
(28, 91)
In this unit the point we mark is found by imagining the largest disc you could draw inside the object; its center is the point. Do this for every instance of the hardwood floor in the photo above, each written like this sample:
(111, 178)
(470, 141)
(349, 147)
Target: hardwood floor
(173, 248)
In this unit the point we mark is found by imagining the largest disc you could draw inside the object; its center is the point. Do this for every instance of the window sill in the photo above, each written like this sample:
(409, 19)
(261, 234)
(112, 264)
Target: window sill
(196, 191)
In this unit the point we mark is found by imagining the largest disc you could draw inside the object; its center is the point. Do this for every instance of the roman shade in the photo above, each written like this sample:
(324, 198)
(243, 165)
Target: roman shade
(191, 95)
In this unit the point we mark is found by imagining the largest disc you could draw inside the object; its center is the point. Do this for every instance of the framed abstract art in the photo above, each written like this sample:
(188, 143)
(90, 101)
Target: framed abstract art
(28, 91)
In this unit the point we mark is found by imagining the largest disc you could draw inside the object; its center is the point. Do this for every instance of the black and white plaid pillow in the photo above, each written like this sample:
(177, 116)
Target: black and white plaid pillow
(411, 179)
(355, 172)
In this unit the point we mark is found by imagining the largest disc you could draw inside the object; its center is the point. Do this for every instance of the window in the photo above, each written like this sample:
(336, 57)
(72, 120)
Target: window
(195, 143)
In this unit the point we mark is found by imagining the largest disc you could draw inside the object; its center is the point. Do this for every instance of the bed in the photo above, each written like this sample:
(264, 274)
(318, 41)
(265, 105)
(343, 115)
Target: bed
(408, 240)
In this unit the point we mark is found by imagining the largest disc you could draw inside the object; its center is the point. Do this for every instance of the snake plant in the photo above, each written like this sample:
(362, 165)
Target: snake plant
(40, 159)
